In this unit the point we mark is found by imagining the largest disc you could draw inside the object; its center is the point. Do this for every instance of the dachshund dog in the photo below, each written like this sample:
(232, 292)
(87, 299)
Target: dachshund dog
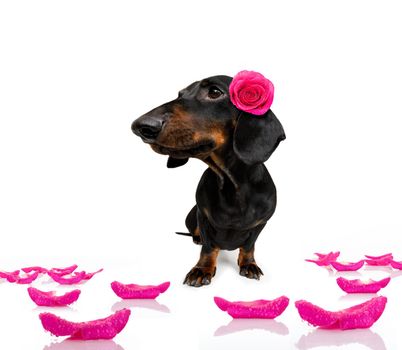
(236, 195)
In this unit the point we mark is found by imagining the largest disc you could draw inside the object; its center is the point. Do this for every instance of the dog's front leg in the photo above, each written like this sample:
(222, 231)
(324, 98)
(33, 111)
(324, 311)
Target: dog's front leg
(202, 273)
(248, 266)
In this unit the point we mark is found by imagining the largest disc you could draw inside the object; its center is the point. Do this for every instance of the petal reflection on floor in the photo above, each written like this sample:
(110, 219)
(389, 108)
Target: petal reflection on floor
(238, 325)
(151, 304)
(66, 309)
(84, 345)
(325, 338)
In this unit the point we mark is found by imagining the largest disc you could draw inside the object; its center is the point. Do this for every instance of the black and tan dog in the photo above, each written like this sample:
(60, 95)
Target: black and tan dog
(236, 195)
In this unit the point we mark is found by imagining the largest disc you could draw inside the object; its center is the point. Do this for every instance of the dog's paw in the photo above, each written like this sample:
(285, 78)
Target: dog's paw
(199, 276)
(251, 271)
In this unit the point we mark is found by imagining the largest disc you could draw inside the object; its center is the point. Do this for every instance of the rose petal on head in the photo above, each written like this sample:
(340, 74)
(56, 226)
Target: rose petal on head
(105, 328)
(361, 286)
(324, 259)
(136, 291)
(50, 298)
(250, 76)
(252, 95)
(348, 266)
(253, 309)
(251, 92)
(358, 316)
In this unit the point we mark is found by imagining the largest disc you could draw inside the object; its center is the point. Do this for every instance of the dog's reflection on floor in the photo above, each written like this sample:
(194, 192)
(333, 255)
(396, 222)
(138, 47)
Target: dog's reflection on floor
(325, 338)
(84, 345)
(238, 325)
(151, 304)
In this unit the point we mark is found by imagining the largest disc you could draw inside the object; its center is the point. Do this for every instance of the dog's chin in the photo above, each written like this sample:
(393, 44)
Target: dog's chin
(198, 150)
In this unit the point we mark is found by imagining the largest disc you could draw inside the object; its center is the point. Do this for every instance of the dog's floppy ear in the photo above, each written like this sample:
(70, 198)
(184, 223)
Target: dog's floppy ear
(176, 162)
(256, 137)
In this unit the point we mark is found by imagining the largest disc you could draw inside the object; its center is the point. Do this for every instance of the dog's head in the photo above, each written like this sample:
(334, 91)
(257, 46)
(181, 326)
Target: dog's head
(202, 120)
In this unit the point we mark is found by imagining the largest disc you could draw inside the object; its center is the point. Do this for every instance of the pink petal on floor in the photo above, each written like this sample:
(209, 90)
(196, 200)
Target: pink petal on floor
(56, 325)
(34, 268)
(363, 315)
(324, 259)
(315, 315)
(135, 291)
(89, 275)
(388, 255)
(42, 298)
(10, 276)
(321, 255)
(361, 286)
(14, 273)
(76, 278)
(105, 328)
(64, 270)
(347, 266)
(253, 309)
(383, 261)
(358, 316)
(223, 304)
(29, 278)
(396, 264)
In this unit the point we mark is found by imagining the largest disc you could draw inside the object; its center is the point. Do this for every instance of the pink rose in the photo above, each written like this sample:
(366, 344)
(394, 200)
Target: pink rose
(251, 92)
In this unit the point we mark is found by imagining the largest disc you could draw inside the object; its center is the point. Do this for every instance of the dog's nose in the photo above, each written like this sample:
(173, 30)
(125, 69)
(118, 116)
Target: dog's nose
(147, 127)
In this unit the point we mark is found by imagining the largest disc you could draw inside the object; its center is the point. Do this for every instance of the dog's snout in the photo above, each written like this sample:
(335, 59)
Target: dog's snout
(148, 127)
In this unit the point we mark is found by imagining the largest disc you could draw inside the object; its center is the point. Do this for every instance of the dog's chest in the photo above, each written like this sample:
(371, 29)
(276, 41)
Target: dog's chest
(230, 209)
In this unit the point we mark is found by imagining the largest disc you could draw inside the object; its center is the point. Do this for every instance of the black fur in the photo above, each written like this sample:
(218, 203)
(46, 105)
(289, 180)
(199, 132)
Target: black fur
(236, 195)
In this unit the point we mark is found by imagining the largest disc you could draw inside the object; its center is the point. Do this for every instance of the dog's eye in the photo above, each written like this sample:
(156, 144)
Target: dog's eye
(214, 92)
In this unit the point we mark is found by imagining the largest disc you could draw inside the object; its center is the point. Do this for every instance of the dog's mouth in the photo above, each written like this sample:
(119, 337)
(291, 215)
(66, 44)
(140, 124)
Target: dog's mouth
(200, 149)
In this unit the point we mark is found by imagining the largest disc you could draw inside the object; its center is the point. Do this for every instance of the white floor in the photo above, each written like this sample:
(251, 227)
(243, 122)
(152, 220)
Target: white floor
(187, 318)
(76, 186)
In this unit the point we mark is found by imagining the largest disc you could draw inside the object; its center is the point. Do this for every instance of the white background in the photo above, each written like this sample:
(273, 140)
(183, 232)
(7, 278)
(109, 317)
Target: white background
(76, 186)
